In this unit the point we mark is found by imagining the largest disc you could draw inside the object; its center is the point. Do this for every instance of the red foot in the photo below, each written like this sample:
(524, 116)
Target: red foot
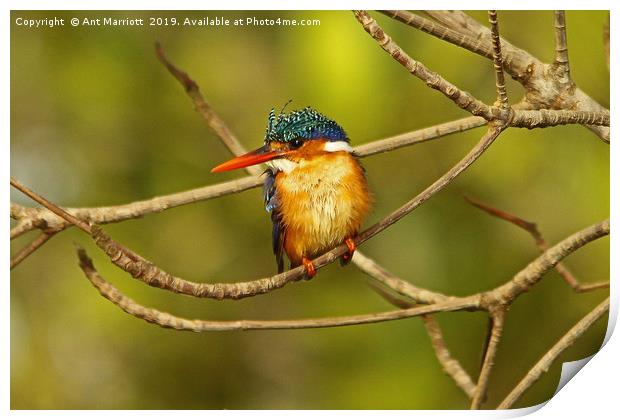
(350, 243)
(310, 270)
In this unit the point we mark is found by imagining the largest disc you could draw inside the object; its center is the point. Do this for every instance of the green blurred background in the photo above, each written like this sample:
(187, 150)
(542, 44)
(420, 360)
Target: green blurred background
(96, 120)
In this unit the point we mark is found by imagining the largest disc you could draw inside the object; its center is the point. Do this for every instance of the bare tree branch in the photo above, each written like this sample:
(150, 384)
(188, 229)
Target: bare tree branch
(208, 114)
(41, 217)
(542, 245)
(466, 101)
(542, 91)
(166, 320)
(549, 118)
(561, 48)
(442, 32)
(485, 142)
(530, 275)
(551, 356)
(497, 328)
(450, 365)
(500, 83)
(461, 98)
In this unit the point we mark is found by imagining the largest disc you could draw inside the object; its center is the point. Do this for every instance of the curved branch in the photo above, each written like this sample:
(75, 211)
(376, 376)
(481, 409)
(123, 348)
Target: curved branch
(541, 243)
(551, 356)
(530, 275)
(167, 320)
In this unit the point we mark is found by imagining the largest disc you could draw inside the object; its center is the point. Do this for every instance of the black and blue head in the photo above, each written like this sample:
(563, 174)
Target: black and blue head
(301, 125)
(285, 136)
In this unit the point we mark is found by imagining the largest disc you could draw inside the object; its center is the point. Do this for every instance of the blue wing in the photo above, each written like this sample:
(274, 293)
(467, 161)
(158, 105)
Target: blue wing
(272, 206)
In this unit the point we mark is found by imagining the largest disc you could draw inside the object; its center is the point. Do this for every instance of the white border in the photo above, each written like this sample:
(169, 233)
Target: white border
(592, 395)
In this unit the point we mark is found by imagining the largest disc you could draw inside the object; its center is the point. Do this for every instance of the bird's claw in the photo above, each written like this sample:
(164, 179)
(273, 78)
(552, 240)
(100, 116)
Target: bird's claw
(310, 270)
(350, 243)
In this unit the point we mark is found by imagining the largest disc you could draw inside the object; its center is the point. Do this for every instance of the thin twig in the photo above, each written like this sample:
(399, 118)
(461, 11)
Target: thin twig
(31, 218)
(542, 245)
(206, 111)
(419, 136)
(561, 48)
(530, 275)
(551, 356)
(500, 83)
(485, 142)
(462, 99)
(30, 248)
(489, 359)
(450, 365)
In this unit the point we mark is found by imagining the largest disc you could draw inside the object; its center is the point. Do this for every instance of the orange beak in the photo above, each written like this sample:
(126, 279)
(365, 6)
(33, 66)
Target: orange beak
(255, 157)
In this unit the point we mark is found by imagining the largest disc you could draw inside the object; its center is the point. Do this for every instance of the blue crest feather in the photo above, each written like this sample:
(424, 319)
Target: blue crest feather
(306, 123)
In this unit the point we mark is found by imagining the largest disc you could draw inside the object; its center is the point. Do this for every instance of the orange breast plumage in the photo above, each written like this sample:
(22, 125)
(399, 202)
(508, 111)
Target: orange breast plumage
(323, 201)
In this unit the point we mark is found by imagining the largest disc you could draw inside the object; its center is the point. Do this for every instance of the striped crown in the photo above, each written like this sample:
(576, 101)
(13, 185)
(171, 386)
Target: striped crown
(306, 123)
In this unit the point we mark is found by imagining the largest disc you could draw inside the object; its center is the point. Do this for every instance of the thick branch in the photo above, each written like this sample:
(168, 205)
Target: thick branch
(542, 89)
(551, 356)
(43, 218)
(547, 118)
(442, 32)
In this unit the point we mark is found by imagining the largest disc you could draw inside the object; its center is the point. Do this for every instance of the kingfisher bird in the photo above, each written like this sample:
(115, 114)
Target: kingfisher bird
(316, 189)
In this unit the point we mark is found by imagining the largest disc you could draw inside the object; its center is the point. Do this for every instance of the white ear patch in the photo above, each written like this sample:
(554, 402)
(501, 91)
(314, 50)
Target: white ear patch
(337, 146)
(283, 165)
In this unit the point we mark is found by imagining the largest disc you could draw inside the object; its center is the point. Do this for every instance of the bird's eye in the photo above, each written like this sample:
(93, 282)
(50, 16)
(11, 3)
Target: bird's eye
(296, 143)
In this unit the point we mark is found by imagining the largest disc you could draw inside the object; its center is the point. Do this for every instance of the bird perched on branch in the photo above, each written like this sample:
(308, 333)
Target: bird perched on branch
(315, 190)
